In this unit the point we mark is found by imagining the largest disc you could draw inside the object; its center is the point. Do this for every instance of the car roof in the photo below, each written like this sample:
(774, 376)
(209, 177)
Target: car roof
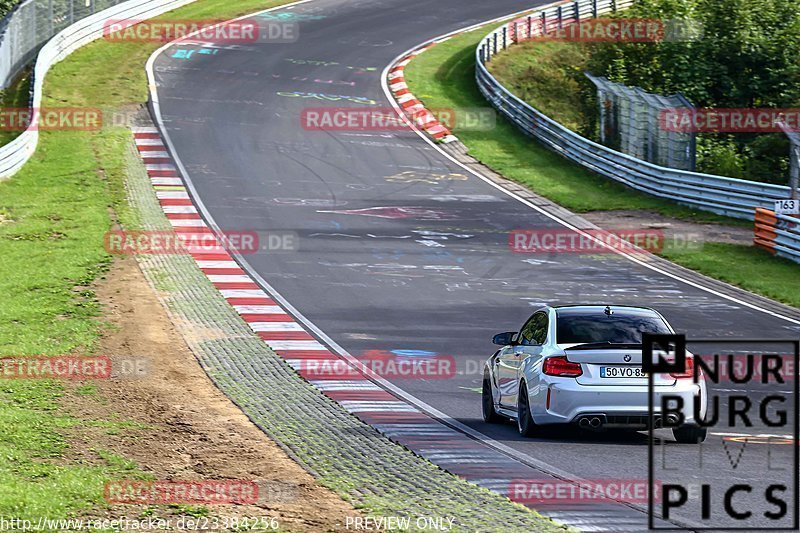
(595, 307)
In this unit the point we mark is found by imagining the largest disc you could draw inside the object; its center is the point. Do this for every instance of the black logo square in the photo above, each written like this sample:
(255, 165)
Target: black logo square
(668, 343)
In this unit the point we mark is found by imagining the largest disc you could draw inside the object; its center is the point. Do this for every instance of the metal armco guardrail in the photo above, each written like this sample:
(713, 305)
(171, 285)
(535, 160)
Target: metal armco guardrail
(778, 234)
(16, 153)
(727, 196)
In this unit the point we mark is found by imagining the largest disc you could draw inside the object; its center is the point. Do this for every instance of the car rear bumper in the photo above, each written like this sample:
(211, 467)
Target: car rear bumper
(615, 406)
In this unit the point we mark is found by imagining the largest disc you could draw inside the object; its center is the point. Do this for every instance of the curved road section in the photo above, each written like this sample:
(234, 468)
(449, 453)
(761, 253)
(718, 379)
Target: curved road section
(403, 253)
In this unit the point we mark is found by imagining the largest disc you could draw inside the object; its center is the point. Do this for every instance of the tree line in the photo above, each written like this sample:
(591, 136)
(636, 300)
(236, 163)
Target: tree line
(747, 56)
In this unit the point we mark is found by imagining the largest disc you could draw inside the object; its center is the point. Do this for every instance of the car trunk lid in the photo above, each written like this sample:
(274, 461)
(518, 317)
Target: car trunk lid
(612, 364)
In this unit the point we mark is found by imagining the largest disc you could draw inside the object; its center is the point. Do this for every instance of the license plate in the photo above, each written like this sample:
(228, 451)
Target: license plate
(621, 372)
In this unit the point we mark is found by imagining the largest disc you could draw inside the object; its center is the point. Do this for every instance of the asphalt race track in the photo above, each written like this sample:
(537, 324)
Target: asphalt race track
(438, 279)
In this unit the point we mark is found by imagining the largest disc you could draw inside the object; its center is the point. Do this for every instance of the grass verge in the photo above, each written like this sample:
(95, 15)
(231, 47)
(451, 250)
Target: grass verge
(444, 77)
(545, 72)
(744, 266)
(53, 215)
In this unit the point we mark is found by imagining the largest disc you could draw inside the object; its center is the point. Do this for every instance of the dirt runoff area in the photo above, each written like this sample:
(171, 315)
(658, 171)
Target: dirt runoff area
(184, 428)
(677, 233)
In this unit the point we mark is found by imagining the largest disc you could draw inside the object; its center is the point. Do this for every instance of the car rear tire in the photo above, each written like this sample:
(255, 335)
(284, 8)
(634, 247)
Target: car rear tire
(690, 434)
(490, 416)
(525, 423)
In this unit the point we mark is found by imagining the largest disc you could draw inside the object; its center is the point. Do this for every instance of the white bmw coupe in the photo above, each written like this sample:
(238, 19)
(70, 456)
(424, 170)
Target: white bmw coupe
(583, 365)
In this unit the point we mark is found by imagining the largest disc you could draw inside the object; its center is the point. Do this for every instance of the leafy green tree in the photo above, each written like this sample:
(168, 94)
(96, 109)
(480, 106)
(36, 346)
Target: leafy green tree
(7, 5)
(747, 57)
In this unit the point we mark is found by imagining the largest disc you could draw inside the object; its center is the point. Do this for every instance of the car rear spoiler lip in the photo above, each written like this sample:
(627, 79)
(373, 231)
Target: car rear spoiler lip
(600, 346)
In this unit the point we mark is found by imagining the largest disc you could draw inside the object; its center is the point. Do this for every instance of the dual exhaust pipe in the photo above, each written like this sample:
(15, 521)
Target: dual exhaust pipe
(672, 420)
(593, 422)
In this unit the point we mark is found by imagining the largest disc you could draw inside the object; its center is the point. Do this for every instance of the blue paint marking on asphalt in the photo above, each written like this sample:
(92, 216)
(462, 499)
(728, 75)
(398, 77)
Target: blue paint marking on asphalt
(290, 16)
(183, 53)
(414, 353)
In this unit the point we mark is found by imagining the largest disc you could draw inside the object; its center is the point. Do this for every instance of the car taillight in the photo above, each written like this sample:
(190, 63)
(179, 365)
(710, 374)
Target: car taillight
(689, 369)
(559, 366)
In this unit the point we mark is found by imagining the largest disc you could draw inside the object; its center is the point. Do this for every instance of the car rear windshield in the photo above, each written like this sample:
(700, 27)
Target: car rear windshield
(621, 327)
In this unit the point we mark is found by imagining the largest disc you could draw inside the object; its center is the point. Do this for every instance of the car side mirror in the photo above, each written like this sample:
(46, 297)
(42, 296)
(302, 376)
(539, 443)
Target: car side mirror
(505, 339)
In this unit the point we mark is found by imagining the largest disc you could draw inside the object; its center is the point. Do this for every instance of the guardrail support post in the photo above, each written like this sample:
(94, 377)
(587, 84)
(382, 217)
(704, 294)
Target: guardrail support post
(594, 9)
(794, 171)
(544, 23)
(560, 17)
(577, 6)
(505, 37)
(495, 43)
(530, 26)
(614, 6)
